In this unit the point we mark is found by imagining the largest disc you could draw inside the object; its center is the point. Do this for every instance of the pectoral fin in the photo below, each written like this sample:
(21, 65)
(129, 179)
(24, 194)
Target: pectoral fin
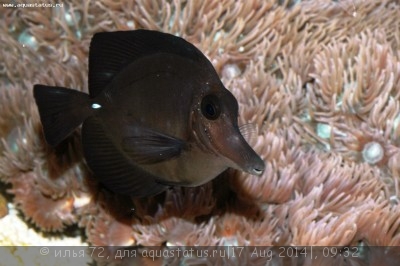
(147, 146)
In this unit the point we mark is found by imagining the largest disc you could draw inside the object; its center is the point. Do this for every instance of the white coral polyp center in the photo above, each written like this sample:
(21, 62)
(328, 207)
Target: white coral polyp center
(373, 152)
(231, 71)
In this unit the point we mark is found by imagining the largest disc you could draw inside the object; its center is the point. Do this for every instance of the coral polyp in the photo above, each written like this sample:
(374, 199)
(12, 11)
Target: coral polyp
(373, 152)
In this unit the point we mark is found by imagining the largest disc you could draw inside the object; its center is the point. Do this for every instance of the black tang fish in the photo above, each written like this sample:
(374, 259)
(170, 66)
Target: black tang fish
(156, 115)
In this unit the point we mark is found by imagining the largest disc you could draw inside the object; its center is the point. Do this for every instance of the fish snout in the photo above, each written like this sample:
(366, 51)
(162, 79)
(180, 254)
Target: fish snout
(257, 167)
(240, 154)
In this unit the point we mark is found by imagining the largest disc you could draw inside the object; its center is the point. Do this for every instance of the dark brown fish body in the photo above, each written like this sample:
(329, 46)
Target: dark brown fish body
(157, 115)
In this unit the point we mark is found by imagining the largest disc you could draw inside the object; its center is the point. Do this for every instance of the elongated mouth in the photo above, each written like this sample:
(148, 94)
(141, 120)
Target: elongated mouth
(256, 171)
(255, 165)
(242, 156)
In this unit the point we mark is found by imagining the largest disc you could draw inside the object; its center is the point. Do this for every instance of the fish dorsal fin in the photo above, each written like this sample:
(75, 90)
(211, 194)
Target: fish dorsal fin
(110, 52)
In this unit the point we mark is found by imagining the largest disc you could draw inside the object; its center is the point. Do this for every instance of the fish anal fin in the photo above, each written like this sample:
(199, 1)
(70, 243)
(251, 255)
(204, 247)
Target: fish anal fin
(111, 167)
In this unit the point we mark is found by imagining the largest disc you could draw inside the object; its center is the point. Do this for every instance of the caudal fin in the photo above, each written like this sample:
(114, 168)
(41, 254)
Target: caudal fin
(61, 111)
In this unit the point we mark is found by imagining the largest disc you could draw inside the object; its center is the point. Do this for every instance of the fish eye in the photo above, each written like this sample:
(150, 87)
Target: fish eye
(210, 107)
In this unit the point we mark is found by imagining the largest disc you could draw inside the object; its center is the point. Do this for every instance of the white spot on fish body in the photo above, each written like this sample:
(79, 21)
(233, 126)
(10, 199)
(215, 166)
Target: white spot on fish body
(96, 106)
